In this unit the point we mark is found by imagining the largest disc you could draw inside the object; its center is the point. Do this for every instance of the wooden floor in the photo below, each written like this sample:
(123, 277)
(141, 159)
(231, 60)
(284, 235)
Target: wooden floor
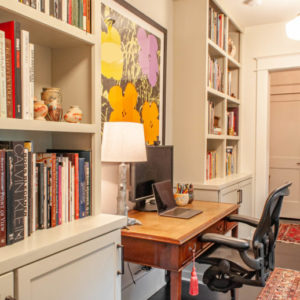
(287, 256)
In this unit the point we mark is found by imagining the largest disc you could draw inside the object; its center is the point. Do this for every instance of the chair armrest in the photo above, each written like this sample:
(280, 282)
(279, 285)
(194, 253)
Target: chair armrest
(243, 219)
(228, 241)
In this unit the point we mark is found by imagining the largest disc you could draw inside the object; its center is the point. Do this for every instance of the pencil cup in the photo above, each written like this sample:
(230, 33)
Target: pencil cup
(181, 199)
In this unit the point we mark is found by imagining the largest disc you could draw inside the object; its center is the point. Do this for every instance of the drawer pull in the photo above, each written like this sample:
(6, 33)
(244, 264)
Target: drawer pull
(119, 246)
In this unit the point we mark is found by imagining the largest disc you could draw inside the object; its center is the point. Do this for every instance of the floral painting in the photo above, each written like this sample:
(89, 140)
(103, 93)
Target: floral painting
(132, 69)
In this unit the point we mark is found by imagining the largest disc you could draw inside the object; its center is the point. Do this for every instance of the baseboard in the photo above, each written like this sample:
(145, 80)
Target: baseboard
(145, 286)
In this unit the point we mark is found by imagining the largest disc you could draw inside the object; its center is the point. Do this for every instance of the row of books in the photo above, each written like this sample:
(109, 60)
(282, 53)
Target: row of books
(231, 160)
(41, 190)
(215, 74)
(212, 128)
(211, 165)
(16, 72)
(73, 12)
(233, 121)
(217, 28)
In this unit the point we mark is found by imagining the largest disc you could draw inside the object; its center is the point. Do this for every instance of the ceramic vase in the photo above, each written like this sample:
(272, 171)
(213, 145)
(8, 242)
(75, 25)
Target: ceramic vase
(53, 99)
(73, 115)
(40, 110)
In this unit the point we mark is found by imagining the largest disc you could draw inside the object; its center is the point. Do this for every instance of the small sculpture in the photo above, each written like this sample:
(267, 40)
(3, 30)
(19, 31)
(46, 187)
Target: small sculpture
(73, 115)
(40, 110)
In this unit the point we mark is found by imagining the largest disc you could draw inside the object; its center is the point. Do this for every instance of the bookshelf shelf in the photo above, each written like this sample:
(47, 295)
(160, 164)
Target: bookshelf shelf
(233, 100)
(44, 29)
(46, 126)
(232, 63)
(215, 50)
(233, 138)
(215, 93)
(215, 137)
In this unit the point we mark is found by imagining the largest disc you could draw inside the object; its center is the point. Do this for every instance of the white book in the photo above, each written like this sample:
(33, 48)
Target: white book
(64, 10)
(34, 191)
(25, 81)
(38, 5)
(47, 7)
(31, 80)
(73, 195)
(3, 106)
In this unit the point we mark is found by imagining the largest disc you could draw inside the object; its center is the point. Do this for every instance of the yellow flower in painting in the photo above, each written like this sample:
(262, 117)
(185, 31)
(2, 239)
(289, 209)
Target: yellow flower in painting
(151, 122)
(123, 106)
(111, 53)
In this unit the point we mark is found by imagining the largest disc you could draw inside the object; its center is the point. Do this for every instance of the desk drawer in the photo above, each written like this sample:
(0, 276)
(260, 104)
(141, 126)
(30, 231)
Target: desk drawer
(186, 253)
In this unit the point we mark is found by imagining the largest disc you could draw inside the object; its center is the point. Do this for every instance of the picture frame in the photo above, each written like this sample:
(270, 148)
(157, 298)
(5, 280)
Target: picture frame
(133, 69)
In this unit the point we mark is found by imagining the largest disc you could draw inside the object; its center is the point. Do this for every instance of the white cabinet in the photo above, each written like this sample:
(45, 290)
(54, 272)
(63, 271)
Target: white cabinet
(88, 271)
(6, 285)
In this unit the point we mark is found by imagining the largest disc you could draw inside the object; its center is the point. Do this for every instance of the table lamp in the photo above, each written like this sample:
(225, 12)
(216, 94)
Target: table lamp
(123, 142)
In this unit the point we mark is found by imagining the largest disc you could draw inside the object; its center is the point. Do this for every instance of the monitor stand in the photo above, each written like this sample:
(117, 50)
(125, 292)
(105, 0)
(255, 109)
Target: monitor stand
(146, 205)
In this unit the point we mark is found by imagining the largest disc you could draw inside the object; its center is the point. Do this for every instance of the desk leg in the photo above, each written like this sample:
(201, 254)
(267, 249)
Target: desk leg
(234, 232)
(175, 285)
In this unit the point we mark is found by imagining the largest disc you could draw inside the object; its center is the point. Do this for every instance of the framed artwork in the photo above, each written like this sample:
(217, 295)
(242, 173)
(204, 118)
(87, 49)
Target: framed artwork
(133, 69)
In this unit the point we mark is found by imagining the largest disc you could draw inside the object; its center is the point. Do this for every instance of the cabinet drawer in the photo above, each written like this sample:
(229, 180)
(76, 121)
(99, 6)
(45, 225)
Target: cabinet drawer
(6, 285)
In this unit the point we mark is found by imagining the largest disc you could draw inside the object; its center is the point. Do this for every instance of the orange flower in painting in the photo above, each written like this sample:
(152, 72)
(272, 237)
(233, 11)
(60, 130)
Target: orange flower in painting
(123, 106)
(151, 122)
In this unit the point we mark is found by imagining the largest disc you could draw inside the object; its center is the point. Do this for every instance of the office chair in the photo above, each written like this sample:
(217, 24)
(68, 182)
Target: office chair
(234, 261)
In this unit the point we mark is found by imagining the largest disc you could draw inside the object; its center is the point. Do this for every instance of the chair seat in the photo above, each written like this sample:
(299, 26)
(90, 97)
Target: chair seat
(218, 253)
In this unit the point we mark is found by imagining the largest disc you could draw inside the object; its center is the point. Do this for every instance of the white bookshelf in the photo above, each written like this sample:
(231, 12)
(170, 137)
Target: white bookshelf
(191, 71)
(65, 57)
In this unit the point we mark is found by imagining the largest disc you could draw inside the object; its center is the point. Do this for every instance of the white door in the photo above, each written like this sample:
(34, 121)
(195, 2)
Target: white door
(6, 285)
(285, 137)
(87, 271)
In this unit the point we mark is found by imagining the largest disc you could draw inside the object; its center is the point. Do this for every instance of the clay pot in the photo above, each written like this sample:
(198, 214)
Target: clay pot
(73, 115)
(55, 111)
(40, 110)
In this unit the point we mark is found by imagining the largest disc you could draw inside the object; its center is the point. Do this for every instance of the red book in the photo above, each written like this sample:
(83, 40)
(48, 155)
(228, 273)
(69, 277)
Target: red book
(10, 29)
(2, 199)
(70, 13)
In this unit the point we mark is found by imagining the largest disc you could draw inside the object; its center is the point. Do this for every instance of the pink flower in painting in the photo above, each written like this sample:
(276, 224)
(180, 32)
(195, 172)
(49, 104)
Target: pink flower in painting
(148, 55)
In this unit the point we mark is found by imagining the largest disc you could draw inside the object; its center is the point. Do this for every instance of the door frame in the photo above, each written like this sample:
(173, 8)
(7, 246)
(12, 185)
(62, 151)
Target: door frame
(265, 65)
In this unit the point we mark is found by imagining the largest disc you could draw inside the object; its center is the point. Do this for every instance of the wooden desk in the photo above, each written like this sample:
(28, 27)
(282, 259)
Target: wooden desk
(167, 243)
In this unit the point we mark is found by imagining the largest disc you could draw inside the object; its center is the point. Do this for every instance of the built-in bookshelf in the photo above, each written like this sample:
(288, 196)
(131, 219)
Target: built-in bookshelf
(213, 61)
(65, 57)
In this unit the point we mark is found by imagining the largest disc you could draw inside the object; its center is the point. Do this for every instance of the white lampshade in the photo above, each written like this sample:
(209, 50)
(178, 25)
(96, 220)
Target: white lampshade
(293, 29)
(123, 142)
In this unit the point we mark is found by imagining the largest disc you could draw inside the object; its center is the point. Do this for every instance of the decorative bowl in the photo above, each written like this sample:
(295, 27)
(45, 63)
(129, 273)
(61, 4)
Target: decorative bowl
(181, 199)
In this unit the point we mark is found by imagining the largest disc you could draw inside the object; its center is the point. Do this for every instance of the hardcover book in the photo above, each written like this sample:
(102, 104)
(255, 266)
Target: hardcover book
(3, 106)
(2, 199)
(9, 87)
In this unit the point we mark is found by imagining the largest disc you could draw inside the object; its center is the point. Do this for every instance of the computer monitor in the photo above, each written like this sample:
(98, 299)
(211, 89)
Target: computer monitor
(158, 167)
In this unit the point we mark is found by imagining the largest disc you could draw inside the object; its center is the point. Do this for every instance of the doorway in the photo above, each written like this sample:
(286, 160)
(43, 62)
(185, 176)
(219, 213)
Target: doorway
(284, 158)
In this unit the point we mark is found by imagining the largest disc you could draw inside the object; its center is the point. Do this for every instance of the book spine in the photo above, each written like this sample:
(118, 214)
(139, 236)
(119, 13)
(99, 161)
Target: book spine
(87, 188)
(25, 73)
(51, 8)
(73, 193)
(53, 189)
(8, 65)
(63, 192)
(18, 87)
(9, 198)
(18, 190)
(38, 5)
(76, 185)
(48, 197)
(2, 199)
(40, 195)
(47, 7)
(43, 7)
(33, 192)
(45, 199)
(80, 14)
(59, 194)
(64, 5)
(25, 192)
(31, 80)
(29, 193)
(70, 11)
(3, 106)
(81, 188)
(88, 16)
(33, 3)
(74, 9)
(84, 20)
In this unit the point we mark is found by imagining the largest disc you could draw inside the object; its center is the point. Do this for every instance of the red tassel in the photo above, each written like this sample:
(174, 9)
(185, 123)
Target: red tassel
(194, 288)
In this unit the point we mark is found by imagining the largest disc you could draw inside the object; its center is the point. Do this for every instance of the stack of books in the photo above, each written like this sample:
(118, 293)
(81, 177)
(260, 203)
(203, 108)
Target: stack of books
(215, 76)
(73, 12)
(211, 165)
(231, 160)
(16, 72)
(41, 190)
(217, 28)
(233, 121)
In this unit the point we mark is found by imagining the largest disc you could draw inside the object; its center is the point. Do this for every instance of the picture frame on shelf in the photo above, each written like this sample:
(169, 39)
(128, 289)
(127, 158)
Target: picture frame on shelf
(133, 69)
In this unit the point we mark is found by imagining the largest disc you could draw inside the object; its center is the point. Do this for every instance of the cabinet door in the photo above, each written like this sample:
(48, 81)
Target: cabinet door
(229, 194)
(245, 188)
(6, 285)
(86, 271)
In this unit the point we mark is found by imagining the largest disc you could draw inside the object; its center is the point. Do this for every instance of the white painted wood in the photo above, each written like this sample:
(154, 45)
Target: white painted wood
(48, 242)
(6, 285)
(44, 29)
(87, 271)
(230, 194)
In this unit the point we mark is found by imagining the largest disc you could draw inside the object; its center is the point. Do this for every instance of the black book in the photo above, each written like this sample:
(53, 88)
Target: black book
(40, 195)
(18, 83)
(49, 197)
(18, 190)
(30, 196)
(9, 198)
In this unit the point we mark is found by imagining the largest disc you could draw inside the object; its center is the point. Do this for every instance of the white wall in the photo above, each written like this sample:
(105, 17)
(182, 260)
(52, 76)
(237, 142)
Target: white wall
(259, 41)
(160, 11)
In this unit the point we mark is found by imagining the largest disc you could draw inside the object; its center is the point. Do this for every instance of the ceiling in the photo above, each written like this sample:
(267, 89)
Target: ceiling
(270, 11)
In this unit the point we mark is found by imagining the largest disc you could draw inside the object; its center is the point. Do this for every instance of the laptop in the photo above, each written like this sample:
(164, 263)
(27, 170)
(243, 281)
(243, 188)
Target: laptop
(166, 205)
